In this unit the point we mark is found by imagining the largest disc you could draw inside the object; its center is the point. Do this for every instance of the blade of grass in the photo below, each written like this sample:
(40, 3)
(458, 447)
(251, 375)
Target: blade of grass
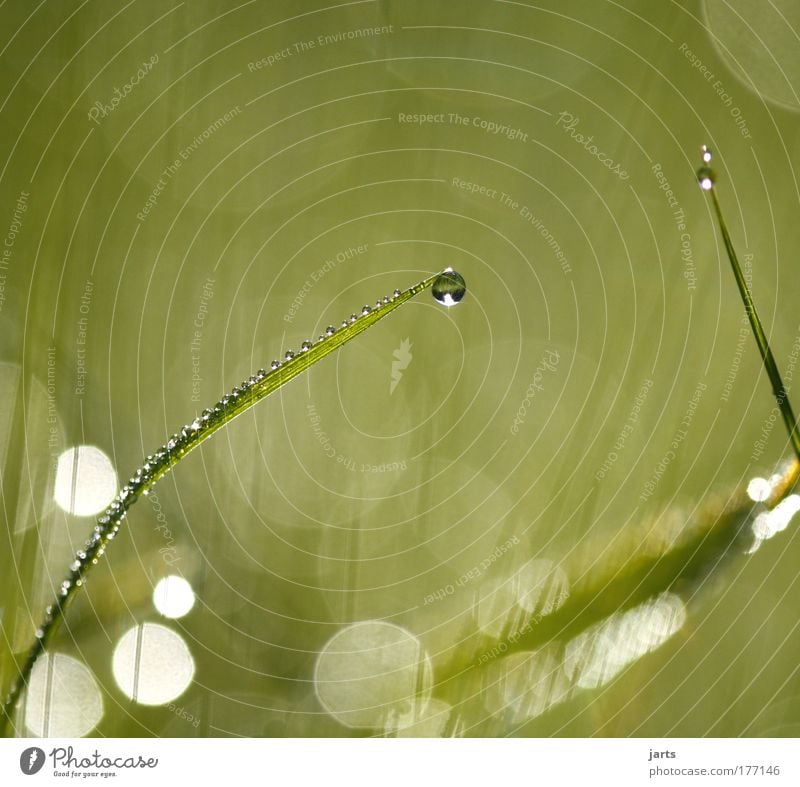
(232, 405)
(707, 180)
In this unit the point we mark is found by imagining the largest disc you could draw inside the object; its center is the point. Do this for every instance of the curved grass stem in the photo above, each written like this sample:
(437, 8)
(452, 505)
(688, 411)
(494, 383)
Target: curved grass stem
(241, 399)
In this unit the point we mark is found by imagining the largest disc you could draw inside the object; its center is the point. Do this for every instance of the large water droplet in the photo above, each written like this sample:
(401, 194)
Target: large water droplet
(449, 288)
(706, 178)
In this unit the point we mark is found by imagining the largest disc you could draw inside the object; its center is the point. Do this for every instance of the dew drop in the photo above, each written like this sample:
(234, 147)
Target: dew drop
(330, 330)
(274, 365)
(305, 346)
(289, 355)
(449, 288)
(706, 178)
(396, 294)
(365, 310)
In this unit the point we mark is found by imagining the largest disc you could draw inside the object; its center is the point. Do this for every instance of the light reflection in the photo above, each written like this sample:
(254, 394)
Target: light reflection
(495, 604)
(152, 664)
(759, 489)
(504, 606)
(63, 699)
(542, 587)
(522, 686)
(768, 523)
(173, 597)
(86, 481)
(758, 43)
(372, 672)
(525, 685)
(596, 656)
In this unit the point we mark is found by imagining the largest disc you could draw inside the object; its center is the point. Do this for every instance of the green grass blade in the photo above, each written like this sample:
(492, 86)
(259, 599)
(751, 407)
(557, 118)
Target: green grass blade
(241, 399)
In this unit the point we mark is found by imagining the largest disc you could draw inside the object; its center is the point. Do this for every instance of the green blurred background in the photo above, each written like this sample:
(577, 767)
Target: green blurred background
(189, 189)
